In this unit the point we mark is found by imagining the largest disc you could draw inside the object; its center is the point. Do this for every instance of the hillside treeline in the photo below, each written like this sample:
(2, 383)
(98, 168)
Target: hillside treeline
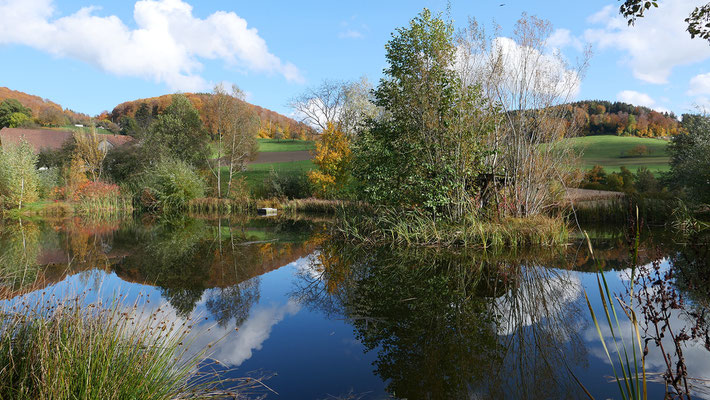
(599, 117)
(39, 111)
(271, 123)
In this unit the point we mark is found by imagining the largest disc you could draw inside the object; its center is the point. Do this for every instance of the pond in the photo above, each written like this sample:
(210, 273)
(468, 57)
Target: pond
(320, 319)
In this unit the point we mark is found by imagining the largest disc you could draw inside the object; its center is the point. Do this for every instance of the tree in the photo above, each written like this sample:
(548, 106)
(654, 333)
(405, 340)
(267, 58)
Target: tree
(19, 181)
(359, 107)
(531, 87)
(178, 133)
(51, 116)
(234, 128)
(347, 105)
(332, 156)
(426, 152)
(690, 159)
(90, 153)
(321, 105)
(698, 21)
(13, 113)
(144, 118)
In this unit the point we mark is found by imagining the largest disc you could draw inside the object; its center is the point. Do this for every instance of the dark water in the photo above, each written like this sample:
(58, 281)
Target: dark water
(327, 320)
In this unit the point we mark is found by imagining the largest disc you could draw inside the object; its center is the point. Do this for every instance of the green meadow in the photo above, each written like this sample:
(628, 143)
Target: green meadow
(613, 152)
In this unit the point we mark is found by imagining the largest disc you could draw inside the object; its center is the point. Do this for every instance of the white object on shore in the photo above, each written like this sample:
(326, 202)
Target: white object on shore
(266, 211)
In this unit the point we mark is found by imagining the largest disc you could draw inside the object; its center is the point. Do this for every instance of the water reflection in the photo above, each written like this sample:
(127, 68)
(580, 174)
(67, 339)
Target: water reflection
(331, 319)
(454, 325)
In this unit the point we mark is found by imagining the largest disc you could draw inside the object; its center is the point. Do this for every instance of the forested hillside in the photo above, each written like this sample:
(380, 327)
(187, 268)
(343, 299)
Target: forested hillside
(44, 112)
(271, 123)
(599, 117)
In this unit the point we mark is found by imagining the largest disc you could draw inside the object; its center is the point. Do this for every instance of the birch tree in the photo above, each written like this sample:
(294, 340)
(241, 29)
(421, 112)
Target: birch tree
(233, 128)
(527, 85)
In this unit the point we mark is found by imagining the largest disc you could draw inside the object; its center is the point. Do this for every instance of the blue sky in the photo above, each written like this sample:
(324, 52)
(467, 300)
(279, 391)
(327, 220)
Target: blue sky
(90, 55)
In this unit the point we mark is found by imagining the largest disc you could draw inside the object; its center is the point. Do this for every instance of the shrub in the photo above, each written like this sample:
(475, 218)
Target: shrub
(19, 181)
(288, 185)
(48, 180)
(646, 182)
(638, 150)
(170, 185)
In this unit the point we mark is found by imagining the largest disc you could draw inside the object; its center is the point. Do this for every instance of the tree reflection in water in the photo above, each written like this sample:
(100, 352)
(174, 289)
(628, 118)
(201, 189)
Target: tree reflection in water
(453, 325)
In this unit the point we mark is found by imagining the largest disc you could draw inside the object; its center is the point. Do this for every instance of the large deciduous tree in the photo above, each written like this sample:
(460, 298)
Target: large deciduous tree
(426, 149)
(690, 158)
(178, 133)
(347, 105)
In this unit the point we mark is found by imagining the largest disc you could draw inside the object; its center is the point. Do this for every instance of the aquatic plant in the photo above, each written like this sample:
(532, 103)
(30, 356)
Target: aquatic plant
(385, 225)
(64, 348)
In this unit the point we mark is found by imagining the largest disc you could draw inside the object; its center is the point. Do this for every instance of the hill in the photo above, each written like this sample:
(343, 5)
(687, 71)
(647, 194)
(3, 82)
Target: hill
(270, 121)
(599, 117)
(44, 111)
(612, 152)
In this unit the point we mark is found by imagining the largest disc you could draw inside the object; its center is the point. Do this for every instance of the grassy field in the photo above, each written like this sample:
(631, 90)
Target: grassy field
(270, 145)
(611, 152)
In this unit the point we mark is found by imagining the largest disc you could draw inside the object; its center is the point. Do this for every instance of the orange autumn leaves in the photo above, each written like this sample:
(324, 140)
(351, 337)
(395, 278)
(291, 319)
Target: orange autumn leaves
(332, 157)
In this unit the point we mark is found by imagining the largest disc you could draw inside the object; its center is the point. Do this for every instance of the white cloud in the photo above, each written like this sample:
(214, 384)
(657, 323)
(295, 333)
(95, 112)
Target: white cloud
(252, 334)
(351, 34)
(639, 99)
(655, 44)
(166, 46)
(562, 38)
(699, 85)
(548, 75)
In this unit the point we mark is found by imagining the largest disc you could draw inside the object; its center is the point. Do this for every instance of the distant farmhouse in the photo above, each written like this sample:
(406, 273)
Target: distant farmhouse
(48, 139)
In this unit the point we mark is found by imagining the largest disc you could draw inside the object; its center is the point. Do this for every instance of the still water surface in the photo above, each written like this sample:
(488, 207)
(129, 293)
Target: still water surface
(328, 320)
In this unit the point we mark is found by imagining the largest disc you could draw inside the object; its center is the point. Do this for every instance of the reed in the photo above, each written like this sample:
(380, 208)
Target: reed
(215, 206)
(413, 228)
(629, 364)
(52, 348)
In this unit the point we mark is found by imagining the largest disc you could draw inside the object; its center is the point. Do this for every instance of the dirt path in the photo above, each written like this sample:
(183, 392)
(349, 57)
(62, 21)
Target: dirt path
(281, 156)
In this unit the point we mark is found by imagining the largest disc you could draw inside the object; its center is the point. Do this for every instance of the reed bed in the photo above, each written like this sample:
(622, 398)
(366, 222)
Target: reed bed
(412, 228)
(651, 210)
(65, 348)
(215, 206)
(107, 207)
(318, 206)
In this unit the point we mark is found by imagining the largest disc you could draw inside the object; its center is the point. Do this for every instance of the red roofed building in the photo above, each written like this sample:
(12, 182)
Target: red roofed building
(49, 139)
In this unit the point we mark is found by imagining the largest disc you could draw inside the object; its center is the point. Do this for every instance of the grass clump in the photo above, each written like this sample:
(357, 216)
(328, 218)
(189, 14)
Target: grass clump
(415, 228)
(52, 349)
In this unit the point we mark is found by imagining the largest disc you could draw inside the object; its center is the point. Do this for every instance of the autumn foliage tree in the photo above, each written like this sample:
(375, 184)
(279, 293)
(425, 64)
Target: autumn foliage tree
(89, 153)
(332, 156)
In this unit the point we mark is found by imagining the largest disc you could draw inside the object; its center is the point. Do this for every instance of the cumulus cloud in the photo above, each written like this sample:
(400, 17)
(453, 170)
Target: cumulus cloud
(562, 38)
(655, 45)
(639, 99)
(549, 74)
(166, 46)
(699, 85)
(253, 333)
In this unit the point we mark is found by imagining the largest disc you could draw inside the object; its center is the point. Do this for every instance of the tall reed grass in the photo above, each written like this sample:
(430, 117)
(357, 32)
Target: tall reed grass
(54, 348)
(629, 364)
(413, 228)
